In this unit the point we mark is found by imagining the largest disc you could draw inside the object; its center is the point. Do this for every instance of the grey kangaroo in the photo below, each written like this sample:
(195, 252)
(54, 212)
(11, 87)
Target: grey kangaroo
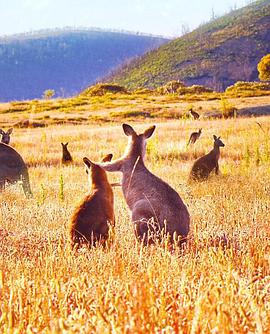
(155, 207)
(66, 156)
(202, 167)
(13, 168)
(194, 137)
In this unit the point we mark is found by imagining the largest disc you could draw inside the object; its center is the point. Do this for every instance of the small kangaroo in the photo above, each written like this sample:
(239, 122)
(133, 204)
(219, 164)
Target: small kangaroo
(66, 156)
(194, 137)
(6, 135)
(194, 114)
(202, 167)
(91, 220)
(13, 168)
(155, 206)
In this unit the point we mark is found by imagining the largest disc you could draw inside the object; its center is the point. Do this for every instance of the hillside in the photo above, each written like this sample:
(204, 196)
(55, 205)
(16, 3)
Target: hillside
(217, 54)
(64, 60)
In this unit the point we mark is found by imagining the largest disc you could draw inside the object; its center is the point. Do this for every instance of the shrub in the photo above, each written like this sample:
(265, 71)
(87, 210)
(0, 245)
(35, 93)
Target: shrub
(101, 89)
(264, 68)
(195, 89)
(242, 88)
(227, 108)
(170, 87)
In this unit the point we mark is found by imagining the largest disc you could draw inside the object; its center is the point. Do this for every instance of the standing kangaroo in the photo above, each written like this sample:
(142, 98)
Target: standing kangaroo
(13, 168)
(149, 198)
(202, 167)
(194, 114)
(91, 220)
(194, 137)
(66, 156)
(6, 136)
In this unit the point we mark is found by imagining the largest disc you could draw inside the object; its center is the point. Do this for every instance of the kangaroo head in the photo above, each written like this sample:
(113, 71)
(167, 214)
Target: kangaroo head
(137, 142)
(200, 131)
(6, 135)
(96, 174)
(218, 142)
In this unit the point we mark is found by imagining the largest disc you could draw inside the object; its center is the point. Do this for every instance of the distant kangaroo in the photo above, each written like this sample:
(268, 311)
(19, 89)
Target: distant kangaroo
(154, 205)
(194, 114)
(194, 137)
(6, 136)
(13, 168)
(92, 218)
(66, 156)
(202, 167)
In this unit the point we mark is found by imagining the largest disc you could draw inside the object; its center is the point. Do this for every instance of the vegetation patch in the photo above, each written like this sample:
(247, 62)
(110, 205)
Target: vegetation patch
(101, 89)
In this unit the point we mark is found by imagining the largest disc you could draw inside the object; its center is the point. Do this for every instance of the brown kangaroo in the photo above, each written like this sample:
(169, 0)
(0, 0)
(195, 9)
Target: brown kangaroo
(156, 208)
(6, 136)
(66, 156)
(194, 137)
(194, 114)
(13, 168)
(91, 220)
(202, 167)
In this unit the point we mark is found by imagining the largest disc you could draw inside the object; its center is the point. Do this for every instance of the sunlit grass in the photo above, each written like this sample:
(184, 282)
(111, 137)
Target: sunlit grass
(219, 283)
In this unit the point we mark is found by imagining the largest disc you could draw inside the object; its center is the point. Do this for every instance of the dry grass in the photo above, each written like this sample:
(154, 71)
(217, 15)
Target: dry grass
(208, 287)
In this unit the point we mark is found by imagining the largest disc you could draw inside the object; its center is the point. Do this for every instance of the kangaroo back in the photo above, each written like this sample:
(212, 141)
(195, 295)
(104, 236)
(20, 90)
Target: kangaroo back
(13, 168)
(93, 217)
(156, 207)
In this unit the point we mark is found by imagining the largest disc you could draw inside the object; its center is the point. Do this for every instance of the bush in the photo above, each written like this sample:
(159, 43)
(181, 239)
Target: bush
(195, 89)
(228, 110)
(264, 68)
(170, 87)
(101, 89)
(242, 88)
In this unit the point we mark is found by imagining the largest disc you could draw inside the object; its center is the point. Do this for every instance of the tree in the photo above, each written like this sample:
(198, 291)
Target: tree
(264, 68)
(48, 94)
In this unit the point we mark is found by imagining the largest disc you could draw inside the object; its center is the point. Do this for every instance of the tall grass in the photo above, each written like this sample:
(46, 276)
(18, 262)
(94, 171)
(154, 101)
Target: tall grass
(218, 283)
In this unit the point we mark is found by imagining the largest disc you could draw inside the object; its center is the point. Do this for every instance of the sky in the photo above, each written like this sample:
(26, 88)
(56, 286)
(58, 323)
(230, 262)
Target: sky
(158, 17)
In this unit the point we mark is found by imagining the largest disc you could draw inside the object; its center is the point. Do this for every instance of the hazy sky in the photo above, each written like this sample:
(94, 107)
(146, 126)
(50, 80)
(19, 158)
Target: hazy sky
(164, 17)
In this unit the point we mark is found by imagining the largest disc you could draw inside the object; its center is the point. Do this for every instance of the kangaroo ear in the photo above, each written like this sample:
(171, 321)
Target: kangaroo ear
(128, 130)
(215, 137)
(219, 137)
(2, 132)
(66, 144)
(9, 131)
(62, 144)
(87, 162)
(107, 158)
(148, 133)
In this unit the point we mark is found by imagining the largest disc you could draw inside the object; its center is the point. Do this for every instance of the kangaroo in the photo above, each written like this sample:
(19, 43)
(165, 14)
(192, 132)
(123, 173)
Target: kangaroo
(194, 137)
(202, 167)
(194, 114)
(155, 207)
(6, 136)
(66, 156)
(91, 220)
(13, 168)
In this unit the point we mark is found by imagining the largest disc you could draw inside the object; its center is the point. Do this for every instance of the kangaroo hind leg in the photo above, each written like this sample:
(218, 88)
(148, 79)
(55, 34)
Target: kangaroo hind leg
(144, 222)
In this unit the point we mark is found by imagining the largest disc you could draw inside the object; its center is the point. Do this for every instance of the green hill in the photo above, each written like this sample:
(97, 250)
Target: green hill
(216, 54)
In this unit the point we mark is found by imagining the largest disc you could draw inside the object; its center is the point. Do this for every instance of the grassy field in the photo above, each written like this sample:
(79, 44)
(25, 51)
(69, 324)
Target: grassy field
(205, 288)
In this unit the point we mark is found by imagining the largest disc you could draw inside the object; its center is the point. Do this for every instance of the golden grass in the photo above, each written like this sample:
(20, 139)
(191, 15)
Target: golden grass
(204, 288)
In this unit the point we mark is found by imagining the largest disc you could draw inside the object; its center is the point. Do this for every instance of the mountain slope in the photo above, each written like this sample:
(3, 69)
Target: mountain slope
(64, 60)
(216, 54)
